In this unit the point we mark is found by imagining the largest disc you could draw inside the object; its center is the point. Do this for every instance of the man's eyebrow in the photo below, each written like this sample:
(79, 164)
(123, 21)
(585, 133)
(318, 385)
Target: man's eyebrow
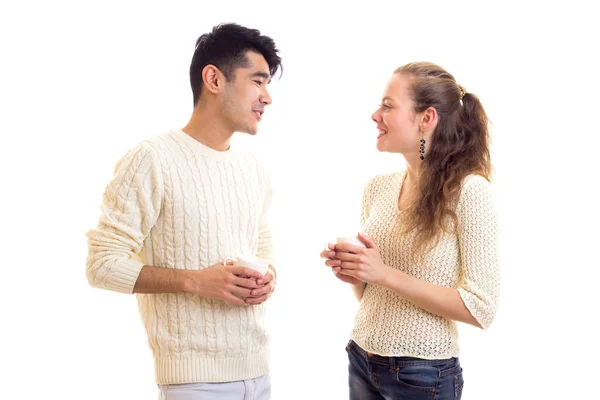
(388, 98)
(263, 75)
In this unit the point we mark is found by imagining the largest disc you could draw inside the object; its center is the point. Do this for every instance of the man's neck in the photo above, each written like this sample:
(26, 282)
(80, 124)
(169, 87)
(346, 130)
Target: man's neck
(208, 130)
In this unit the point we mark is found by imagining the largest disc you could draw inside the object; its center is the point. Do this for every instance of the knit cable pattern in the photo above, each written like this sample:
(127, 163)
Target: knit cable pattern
(175, 203)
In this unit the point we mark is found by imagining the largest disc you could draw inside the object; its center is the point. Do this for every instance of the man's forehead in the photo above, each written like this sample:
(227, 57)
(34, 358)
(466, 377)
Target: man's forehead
(255, 67)
(261, 74)
(256, 62)
(258, 72)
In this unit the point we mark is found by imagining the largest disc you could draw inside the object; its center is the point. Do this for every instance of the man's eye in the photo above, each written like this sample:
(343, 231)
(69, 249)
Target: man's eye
(259, 83)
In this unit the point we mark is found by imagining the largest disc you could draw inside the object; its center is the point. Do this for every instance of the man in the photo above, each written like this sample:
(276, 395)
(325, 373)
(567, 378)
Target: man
(181, 205)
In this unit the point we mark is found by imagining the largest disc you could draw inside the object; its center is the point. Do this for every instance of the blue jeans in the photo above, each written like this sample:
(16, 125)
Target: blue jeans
(249, 389)
(374, 377)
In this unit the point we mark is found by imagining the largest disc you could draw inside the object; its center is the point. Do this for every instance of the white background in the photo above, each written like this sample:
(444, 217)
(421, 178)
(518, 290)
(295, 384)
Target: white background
(82, 82)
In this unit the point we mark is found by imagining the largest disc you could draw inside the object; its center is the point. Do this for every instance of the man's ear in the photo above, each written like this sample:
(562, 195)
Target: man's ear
(212, 78)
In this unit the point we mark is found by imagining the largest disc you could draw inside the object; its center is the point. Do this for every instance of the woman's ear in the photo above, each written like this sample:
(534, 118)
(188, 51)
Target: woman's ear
(429, 120)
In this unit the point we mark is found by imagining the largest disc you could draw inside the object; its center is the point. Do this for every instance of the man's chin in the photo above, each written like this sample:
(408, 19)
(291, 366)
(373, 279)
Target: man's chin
(250, 130)
(251, 133)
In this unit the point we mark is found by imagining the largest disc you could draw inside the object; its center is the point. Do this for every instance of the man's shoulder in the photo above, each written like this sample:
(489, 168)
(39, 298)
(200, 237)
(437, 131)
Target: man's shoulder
(160, 139)
(157, 144)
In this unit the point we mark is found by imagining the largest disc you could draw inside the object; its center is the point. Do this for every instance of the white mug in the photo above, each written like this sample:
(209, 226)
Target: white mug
(350, 239)
(253, 262)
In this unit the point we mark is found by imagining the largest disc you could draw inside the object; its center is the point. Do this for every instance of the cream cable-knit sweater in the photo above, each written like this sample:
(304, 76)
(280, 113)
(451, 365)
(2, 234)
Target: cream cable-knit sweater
(175, 203)
(387, 324)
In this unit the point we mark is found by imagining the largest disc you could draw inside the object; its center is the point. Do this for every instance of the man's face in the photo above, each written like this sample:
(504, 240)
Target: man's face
(246, 95)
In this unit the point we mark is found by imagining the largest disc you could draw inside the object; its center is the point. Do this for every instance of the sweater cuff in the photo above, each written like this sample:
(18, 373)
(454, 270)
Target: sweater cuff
(476, 307)
(124, 277)
(272, 268)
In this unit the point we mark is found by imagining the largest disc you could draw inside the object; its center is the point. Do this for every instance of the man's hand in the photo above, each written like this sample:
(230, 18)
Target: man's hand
(224, 282)
(266, 289)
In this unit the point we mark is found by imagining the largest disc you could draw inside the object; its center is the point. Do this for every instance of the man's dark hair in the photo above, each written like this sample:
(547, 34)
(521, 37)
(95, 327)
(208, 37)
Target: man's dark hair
(225, 47)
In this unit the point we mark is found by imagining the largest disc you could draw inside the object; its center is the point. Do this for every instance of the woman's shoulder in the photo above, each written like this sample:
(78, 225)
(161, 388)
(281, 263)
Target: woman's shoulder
(476, 189)
(384, 180)
(475, 182)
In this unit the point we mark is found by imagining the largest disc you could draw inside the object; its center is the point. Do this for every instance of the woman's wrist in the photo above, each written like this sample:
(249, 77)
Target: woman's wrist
(390, 276)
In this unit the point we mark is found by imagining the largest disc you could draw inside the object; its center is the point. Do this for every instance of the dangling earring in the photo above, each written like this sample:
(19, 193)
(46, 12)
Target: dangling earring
(422, 150)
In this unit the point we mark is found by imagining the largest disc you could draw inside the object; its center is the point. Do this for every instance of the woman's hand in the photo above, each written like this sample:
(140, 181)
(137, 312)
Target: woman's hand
(329, 255)
(359, 263)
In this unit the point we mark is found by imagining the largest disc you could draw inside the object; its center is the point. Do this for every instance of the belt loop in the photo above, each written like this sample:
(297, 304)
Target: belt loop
(393, 363)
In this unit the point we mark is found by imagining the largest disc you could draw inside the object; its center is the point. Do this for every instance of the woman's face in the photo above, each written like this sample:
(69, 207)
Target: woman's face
(397, 122)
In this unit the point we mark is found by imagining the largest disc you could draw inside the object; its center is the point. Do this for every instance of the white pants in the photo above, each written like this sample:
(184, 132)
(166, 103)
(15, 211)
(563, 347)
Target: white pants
(250, 389)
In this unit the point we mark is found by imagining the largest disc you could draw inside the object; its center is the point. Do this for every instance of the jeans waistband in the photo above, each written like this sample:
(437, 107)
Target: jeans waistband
(395, 362)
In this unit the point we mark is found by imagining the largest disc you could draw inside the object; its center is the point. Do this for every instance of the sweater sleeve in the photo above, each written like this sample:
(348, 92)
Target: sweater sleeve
(478, 240)
(265, 238)
(365, 206)
(130, 208)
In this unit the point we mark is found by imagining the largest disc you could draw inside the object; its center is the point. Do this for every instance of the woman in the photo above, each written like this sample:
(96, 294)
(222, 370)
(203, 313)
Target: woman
(431, 234)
